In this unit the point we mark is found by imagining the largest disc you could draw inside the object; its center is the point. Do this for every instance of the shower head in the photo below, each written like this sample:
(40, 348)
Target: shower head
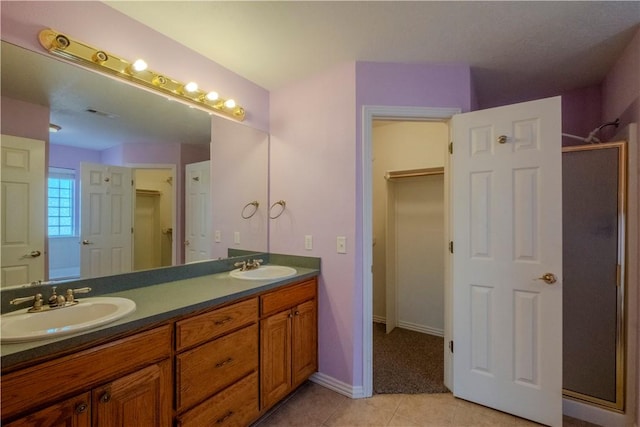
(591, 138)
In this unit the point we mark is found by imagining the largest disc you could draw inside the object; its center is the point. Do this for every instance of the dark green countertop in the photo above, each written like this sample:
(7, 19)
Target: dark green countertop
(154, 304)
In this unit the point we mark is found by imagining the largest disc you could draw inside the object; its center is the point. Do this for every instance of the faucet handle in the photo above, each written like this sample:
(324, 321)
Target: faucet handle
(37, 302)
(22, 300)
(71, 293)
(241, 264)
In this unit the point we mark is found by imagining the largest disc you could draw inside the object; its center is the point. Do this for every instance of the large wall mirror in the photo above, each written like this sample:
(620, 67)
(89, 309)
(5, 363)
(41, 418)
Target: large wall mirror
(112, 133)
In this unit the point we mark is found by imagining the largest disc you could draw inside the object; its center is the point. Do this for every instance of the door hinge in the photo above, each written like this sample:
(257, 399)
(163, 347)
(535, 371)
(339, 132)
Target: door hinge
(451, 147)
(618, 275)
(451, 246)
(131, 230)
(132, 184)
(451, 346)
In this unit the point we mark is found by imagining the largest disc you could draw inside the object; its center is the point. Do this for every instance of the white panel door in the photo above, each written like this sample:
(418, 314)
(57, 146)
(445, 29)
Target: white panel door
(198, 212)
(23, 210)
(106, 197)
(507, 225)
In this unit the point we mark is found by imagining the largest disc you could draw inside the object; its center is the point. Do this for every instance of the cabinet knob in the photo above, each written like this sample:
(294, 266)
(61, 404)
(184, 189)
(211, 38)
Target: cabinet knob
(81, 407)
(297, 313)
(223, 419)
(224, 362)
(106, 397)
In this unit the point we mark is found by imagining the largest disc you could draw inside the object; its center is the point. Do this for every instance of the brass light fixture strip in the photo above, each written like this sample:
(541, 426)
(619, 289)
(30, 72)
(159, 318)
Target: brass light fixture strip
(65, 47)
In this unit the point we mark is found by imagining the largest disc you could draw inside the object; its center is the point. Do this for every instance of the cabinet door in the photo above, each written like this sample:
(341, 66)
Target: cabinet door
(74, 412)
(275, 361)
(304, 342)
(140, 399)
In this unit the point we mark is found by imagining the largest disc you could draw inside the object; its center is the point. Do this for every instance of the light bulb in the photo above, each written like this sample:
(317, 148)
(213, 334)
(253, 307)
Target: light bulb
(139, 65)
(212, 96)
(230, 103)
(191, 87)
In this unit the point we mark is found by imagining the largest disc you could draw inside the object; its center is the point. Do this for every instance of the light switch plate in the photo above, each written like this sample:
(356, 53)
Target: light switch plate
(341, 244)
(236, 237)
(217, 237)
(308, 242)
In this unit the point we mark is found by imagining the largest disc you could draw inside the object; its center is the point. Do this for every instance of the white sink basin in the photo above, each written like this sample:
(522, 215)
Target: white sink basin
(264, 272)
(20, 326)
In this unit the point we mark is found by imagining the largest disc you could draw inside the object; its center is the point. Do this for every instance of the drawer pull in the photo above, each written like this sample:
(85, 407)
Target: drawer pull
(223, 321)
(81, 407)
(225, 362)
(297, 313)
(223, 419)
(106, 397)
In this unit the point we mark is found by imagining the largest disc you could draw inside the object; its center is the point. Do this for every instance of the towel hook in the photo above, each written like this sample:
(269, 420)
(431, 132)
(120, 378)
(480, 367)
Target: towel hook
(282, 203)
(255, 205)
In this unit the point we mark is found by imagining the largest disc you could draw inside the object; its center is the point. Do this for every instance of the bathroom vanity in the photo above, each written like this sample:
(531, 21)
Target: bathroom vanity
(207, 350)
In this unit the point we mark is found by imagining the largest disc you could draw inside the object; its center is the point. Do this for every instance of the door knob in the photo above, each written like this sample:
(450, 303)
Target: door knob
(86, 242)
(548, 278)
(33, 254)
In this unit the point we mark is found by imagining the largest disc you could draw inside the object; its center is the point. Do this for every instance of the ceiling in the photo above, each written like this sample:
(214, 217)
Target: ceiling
(70, 91)
(517, 50)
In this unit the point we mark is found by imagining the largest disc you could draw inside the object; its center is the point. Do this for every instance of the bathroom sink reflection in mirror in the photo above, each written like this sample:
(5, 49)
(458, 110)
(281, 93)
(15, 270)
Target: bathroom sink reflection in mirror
(89, 313)
(264, 272)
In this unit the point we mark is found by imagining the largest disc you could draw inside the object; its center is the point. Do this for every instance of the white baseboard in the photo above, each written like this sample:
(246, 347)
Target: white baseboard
(338, 386)
(421, 328)
(593, 414)
(412, 326)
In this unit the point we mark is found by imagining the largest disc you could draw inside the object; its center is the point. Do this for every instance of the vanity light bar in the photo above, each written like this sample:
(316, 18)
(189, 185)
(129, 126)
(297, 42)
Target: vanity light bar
(62, 45)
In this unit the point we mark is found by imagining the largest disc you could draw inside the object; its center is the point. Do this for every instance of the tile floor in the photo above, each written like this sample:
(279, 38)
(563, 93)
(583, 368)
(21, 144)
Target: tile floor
(314, 405)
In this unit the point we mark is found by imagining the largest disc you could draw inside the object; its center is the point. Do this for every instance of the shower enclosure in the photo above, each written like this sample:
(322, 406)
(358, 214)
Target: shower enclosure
(594, 209)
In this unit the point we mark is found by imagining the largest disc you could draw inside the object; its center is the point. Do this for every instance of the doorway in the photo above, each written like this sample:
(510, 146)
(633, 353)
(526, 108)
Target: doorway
(403, 114)
(154, 218)
(408, 256)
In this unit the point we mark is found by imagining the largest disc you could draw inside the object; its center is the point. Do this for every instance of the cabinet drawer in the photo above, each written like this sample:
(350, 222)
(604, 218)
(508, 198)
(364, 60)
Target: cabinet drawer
(287, 297)
(31, 387)
(234, 406)
(207, 369)
(207, 326)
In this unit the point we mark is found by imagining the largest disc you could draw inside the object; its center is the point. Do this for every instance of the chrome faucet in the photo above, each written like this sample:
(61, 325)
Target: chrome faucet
(55, 301)
(255, 263)
(248, 265)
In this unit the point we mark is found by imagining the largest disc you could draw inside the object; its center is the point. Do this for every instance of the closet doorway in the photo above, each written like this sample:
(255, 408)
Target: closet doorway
(408, 255)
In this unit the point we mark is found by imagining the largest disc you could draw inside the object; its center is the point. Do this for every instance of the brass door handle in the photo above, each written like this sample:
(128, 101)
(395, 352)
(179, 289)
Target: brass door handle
(548, 278)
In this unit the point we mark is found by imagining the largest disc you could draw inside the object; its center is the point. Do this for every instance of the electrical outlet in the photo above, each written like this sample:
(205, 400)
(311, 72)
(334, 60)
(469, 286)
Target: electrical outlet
(308, 242)
(236, 237)
(341, 244)
(217, 237)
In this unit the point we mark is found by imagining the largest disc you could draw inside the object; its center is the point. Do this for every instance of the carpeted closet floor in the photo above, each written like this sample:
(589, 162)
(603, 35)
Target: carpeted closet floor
(407, 362)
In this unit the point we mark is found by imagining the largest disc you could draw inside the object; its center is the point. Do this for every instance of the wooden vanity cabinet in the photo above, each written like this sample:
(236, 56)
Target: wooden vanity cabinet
(74, 412)
(223, 367)
(122, 383)
(217, 367)
(288, 340)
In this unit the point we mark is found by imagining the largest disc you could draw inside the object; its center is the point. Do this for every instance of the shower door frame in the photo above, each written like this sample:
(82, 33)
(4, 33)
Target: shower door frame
(621, 347)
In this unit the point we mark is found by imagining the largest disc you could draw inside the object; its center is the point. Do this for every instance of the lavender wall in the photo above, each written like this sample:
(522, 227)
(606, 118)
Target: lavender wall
(22, 20)
(316, 136)
(24, 119)
(581, 112)
(312, 157)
